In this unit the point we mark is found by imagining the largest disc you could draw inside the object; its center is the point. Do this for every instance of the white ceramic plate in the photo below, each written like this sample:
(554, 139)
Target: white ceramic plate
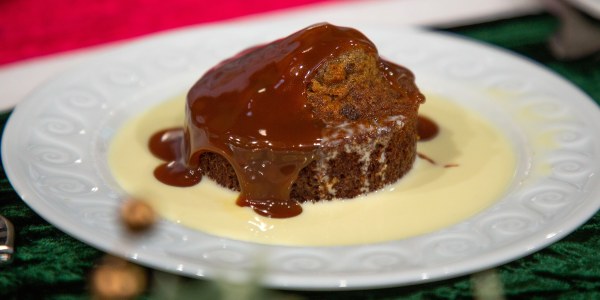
(55, 145)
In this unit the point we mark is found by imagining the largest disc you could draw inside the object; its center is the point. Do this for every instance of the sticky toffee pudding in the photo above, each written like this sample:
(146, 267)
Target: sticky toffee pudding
(314, 116)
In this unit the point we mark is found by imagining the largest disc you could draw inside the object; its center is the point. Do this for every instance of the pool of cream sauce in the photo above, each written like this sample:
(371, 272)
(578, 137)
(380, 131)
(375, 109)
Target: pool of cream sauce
(430, 197)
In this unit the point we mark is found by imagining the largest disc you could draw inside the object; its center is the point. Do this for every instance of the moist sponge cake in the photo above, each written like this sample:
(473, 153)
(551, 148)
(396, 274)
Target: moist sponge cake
(371, 139)
(314, 116)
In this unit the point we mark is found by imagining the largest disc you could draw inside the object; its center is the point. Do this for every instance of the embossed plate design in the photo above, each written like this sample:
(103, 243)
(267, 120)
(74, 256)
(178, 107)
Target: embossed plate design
(55, 146)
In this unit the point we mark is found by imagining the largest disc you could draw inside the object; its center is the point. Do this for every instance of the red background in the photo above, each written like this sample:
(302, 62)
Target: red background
(30, 28)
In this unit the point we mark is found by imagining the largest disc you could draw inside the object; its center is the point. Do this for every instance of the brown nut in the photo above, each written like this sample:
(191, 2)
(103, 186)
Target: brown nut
(121, 280)
(137, 215)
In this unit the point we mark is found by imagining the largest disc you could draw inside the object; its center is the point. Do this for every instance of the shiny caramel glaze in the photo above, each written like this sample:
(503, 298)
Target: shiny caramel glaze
(252, 109)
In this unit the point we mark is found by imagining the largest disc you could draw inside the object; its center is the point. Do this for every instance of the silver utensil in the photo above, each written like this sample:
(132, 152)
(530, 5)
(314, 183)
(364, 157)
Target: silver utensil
(7, 236)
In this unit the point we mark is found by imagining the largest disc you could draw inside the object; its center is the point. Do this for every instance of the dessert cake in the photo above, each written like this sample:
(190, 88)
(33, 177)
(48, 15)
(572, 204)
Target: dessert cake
(314, 116)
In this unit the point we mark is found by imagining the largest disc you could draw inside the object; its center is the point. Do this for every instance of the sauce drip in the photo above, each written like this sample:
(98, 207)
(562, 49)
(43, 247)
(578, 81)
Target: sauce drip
(252, 110)
(433, 162)
(427, 129)
(166, 145)
(427, 158)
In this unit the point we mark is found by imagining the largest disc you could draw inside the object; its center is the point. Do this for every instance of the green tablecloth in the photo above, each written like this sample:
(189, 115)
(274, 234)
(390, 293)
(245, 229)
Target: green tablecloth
(51, 265)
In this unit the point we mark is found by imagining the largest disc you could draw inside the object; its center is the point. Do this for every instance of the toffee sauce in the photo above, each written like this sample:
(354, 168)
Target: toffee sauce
(427, 129)
(252, 110)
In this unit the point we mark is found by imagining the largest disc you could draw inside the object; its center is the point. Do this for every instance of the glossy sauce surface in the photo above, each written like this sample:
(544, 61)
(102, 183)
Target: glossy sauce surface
(252, 110)
(427, 129)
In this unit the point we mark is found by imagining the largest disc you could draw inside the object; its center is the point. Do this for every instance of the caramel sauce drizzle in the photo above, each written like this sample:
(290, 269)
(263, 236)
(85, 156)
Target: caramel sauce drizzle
(252, 110)
(427, 129)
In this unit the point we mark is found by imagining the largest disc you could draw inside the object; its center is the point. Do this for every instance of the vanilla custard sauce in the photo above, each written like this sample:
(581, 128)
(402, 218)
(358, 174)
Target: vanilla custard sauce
(473, 166)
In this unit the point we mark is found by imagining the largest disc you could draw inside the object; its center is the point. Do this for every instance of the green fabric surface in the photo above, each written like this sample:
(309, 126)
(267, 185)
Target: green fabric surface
(51, 265)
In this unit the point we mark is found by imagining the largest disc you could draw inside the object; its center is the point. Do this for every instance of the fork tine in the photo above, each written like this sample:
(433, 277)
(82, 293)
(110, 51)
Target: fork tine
(6, 241)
